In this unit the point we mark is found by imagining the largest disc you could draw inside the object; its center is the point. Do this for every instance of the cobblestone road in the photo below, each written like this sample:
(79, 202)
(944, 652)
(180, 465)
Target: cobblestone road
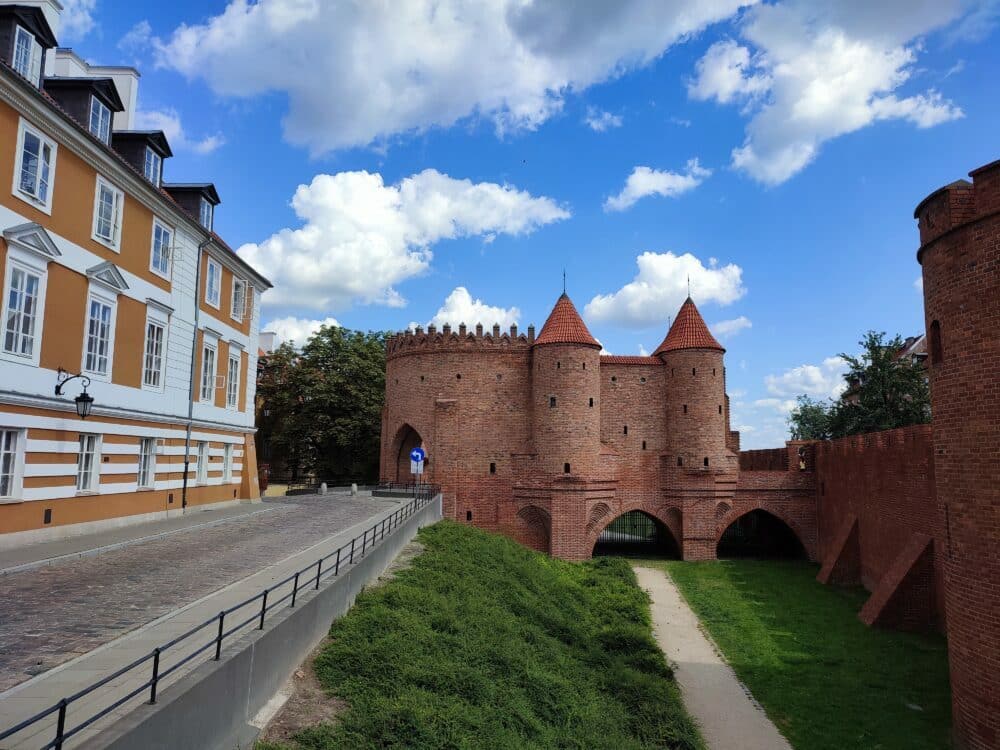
(50, 615)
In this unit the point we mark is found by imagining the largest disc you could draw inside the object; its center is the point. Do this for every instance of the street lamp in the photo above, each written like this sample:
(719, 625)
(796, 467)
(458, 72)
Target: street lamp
(84, 402)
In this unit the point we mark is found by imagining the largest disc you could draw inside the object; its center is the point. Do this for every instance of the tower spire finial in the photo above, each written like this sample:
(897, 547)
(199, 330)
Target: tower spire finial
(689, 285)
(564, 281)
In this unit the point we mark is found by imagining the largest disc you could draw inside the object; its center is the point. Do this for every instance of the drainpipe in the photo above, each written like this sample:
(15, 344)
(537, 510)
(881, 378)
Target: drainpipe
(194, 351)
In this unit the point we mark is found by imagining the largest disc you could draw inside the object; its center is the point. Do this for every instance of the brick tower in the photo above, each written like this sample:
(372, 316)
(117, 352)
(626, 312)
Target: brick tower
(960, 254)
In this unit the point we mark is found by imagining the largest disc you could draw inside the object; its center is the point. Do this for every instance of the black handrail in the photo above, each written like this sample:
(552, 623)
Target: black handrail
(422, 494)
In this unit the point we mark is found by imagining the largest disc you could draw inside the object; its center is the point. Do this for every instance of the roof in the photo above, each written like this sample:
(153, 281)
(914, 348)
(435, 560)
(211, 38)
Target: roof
(103, 87)
(688, 332)
(205, 188)
(34, 19)
(565, 326)
(155, 138)
(618, 359)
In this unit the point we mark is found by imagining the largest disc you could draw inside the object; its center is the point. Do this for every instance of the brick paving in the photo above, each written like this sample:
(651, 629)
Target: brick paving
(52, 614)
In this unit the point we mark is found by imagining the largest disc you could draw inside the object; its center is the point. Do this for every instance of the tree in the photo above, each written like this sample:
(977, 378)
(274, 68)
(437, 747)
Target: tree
(887, 391)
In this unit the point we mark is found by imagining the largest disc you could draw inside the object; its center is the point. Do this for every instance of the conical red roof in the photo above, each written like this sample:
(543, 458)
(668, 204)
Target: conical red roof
(565, 326)
(688, 332)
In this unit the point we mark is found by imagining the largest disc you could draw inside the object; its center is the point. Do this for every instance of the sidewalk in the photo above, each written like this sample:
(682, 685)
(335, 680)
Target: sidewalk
(45, 553)
(46, 689)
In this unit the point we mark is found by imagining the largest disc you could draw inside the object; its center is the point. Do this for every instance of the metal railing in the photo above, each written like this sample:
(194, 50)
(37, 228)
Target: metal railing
(222, 625)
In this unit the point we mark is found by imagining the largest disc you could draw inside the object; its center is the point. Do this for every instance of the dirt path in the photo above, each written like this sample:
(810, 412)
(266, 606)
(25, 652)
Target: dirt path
(728, 716)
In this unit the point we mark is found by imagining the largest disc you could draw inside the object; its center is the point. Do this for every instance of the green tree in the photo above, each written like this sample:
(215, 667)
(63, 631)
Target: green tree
(810, 419)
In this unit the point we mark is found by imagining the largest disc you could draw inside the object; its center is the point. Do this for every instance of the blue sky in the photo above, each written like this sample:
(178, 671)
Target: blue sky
(390, 165)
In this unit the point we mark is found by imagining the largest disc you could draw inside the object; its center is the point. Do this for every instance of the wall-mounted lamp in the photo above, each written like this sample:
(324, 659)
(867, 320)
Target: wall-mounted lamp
(84, 402)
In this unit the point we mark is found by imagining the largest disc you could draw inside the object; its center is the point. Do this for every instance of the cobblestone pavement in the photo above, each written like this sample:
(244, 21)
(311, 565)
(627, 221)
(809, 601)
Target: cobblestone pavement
(52, 614)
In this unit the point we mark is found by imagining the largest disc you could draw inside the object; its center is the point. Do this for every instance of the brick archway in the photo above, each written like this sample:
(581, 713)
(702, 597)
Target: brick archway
(668, 515)
(406, 439)
(534, 528)
(745, 507)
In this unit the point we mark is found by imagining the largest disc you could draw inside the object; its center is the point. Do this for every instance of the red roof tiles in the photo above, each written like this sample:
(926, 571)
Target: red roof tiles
(565, 326)
(619, 359)
(688, 332)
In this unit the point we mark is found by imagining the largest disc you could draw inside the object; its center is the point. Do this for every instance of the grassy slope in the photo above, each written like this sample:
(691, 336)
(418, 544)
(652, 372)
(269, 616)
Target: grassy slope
(484, 644)
(827, 681)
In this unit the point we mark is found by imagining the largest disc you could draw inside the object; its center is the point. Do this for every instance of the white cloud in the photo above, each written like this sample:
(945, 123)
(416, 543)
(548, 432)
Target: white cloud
(918, 284)
(459, 307)
(169, 122)
(297, 330)
(781, 405)
(137, 39)
(645, 181)
(357, 73)
(77, 19)
(809, 72)
(825, 380)
(360, 236)
(725, 329)
(600, 121)
(661, 285)
(642, 351)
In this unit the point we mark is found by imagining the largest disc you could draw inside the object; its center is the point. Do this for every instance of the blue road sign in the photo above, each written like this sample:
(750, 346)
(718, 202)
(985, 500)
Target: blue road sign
(417, 454)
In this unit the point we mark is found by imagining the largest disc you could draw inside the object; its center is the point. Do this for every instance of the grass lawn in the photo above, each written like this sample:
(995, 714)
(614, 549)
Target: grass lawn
(485, 644)
(825, 679)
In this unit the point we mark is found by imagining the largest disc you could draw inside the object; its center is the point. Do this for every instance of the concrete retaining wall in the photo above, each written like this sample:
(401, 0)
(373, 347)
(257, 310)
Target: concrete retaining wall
(211, 707)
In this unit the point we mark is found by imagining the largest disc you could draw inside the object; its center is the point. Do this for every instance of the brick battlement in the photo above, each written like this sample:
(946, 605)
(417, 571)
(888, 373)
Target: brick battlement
(959, 203)
(448, 339)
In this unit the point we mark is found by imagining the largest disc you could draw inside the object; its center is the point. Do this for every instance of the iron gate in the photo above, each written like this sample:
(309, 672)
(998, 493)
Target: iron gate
(635, 533)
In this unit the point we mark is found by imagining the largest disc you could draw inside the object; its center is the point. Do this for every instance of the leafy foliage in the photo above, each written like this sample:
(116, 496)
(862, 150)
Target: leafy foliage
(885, 391)
(320, 408)
(486, 644)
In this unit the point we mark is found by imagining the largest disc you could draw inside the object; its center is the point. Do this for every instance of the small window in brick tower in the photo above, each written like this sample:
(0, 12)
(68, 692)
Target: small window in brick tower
(937, 347)
(493, 468)
(685, 408)
(680, 461)
(625, 430)
(644, 445)
(706, 460)
(591, 402)
(558, 365)
(552, 402)
(468, 515)
(720, 408)
(565, 468)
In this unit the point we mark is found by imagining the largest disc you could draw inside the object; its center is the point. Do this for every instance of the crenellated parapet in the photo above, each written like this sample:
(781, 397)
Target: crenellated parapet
(448, 339)
(958, 204)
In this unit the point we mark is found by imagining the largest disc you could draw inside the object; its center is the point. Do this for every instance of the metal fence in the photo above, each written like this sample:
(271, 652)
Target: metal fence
(222, 626)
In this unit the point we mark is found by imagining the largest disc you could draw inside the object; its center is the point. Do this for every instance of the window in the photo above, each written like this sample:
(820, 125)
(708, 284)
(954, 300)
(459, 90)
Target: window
(208, 355)
(152, 166)
(565, 468)
(680, 461)
(10, 462)
(493, 468)
(233, 381)
(100, 119)
(147, 463)
(239, 299)
(108, 203)
(644, 445)
(202, 472)
(552, 402)
(227, 463)
(706, 460)
(685, 408)
(591, 402)
(27, 55)
(625, 430)
(205, 214)
(86, 464)
(152, 363)
(35, 171)
(21, 302)
(213, 283)
(100, 335)
(160, 254)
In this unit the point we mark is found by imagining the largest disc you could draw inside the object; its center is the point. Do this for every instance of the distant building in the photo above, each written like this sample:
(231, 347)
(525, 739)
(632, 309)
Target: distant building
(914, 349)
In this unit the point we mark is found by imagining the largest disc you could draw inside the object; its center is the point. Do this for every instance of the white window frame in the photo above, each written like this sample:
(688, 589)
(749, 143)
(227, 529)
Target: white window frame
(227, 463)
(233, 383)
(103, 112)
(43, 205)
(26, 263)
(155, 317)
(217, 266)
(233, 312)
(94, 485)
(16, 483)
(33, 65)
(201, 467)
(206, 388)
(154, 160)
(206, 213)
(96, 294)
(117, 211)
(169, 230)
(147, 464)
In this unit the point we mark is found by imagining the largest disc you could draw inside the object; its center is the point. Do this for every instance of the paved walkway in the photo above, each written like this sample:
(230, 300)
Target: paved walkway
(728, 716)
(93, 615)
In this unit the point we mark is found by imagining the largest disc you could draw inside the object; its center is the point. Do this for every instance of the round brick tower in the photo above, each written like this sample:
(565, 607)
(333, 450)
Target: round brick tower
(960, 254)
(696, 393)
(565, 375)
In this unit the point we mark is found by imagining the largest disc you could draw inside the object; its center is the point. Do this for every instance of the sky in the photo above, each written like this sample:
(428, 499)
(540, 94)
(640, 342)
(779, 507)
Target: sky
(394, 163)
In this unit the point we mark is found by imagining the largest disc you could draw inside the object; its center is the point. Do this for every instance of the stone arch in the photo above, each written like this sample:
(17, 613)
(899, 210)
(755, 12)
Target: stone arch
(407, 438)
(597, 515)
(722, 509)
(534, 528)
(769, 514)
(667, 516)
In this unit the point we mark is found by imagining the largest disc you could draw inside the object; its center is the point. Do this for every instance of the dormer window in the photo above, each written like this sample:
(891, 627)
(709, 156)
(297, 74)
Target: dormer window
(152, 166)
(27, 55)
(205, 214)
(100, 119)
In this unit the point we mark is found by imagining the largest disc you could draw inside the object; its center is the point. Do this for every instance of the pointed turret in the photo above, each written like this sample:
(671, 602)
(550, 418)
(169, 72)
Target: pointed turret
(565, 326)
(688, 332)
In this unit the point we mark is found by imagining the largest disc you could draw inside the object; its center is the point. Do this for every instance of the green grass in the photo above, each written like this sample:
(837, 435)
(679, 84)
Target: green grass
(827, 681)
(484, 644)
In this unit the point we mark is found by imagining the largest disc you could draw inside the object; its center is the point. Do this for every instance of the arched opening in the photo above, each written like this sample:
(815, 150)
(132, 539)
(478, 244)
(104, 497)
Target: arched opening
(758, 534)
(636, 534)
(407, 439)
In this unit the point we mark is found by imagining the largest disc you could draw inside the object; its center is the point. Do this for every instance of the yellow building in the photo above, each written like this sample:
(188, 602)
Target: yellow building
(111, 274)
